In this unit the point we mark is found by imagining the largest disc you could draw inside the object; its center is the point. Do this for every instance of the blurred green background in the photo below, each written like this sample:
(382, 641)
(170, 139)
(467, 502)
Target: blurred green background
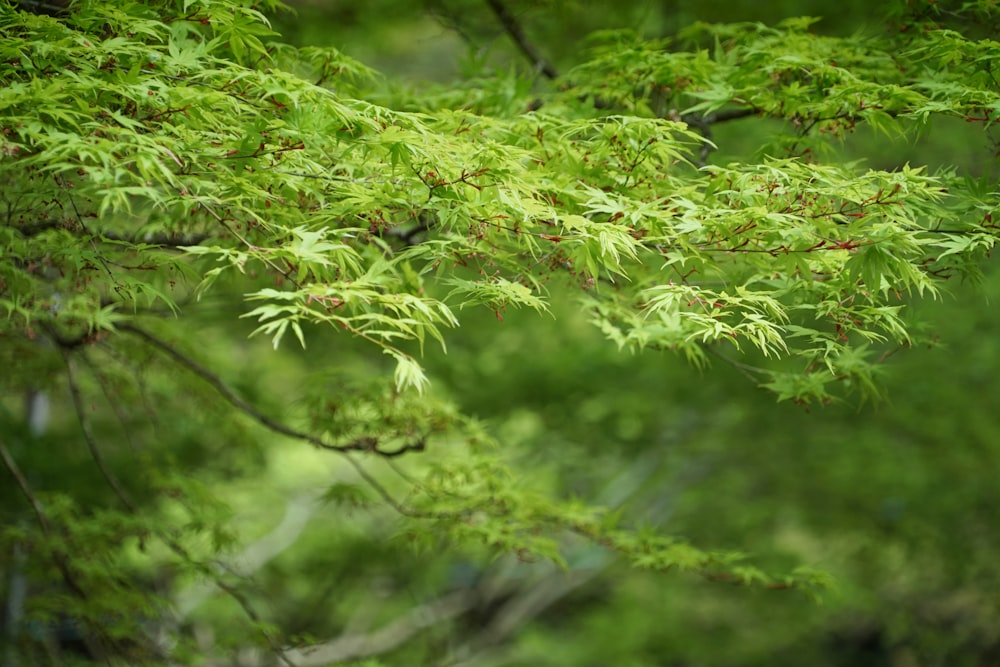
(897, 500)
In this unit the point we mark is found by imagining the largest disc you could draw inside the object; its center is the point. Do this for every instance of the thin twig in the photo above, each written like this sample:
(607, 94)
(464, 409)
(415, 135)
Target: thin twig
(252, 614)
(274, 425)
(93, 241)
(286, 274)
(233, 592)
(513, 28)
(115, 405)
(386, 496)
(752, 373)
(221, 387)
(88, 435)
(22, 484)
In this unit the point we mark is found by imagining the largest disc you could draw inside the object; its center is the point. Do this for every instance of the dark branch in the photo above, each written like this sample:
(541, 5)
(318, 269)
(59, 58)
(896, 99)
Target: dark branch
(53, 8)
(22, 484)
(88, 435)
(159, 239)
(409, 235)
(703, 123)
(36, 228)
(417, 445)
(276, 426)
(722, 116)
(221, 387)
(513, 28)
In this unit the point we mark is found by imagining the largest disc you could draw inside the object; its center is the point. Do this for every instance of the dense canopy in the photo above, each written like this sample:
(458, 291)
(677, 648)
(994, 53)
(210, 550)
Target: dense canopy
(255, 290)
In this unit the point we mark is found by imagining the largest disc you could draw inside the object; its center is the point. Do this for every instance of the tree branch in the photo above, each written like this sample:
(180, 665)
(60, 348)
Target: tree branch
(727, 115)
(88, 435)
(359, 444)
(22, 484)
(752, 373)
(703, 123)
(159, 239)
(513, 28)
(228, 394)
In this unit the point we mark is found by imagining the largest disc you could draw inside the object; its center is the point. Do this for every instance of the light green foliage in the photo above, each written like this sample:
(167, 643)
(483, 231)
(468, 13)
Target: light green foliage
(313, 187)
(170, 169)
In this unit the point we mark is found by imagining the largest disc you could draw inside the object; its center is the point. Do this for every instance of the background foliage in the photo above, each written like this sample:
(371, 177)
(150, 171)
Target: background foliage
(231, 269)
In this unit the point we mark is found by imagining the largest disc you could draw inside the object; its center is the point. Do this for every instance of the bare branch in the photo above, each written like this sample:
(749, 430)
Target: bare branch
(729, 114)
(513, 28)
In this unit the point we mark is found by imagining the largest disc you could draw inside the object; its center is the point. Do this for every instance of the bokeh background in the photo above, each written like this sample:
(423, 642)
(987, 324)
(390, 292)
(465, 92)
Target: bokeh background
(898, 499)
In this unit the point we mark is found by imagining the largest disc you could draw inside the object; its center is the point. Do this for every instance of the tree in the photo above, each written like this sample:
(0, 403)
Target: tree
(172, 171)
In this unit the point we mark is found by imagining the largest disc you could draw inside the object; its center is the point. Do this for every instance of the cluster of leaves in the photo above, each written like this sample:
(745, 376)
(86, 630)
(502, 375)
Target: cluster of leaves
(123, 146)
(156, 155)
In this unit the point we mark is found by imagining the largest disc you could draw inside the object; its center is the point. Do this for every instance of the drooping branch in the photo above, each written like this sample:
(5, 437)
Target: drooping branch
(222, 388)
(752, 373)
(362, 444)
(729, 114)
(359, 444)
(513, 28)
